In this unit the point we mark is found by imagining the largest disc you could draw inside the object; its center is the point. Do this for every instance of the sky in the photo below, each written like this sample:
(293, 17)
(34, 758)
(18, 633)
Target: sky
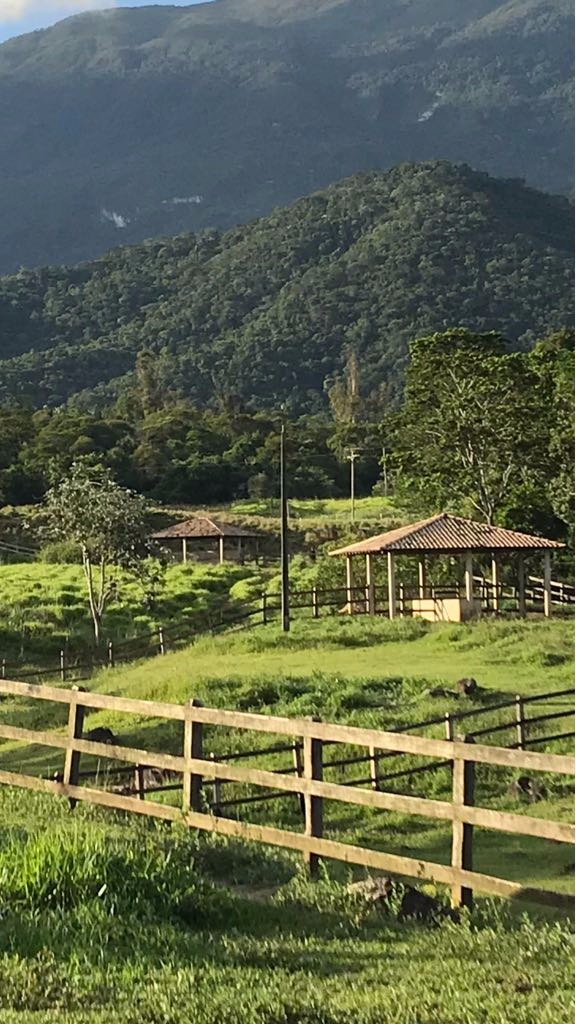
(18, 16)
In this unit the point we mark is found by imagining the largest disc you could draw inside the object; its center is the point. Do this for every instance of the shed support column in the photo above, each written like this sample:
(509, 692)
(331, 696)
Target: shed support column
(221, 550)
(370, 592)
(521, 587)
(184, 550)
(469, 577)
(421, 577)
(391, 586)
(495, 585)
(547, 584)
(349, 608)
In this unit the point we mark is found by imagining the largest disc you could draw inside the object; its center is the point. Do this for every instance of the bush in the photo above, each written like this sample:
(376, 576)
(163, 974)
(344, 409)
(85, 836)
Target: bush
(63, 552)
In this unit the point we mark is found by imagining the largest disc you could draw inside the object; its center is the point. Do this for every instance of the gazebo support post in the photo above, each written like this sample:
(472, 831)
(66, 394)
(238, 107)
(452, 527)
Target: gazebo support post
(469, 576)
(547, 584)
(184, 550)
(495, 585)
(421, 577)
(349, 608)
(221, 550)
(370, 592)
(521, 587)
(391, 586)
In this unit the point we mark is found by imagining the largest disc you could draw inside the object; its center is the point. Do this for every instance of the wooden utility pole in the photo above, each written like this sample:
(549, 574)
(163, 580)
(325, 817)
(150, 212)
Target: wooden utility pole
(284, 535)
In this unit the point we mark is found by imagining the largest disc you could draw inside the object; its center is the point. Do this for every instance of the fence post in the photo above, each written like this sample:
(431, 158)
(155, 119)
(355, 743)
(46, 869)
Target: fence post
(139, 782)
(462, 834)
(110, 654)
(192, 781)
(373, 768)
(63, 665)
(315, 605)
(216, 791)
(161, 642)
(3, 668)
(520, 723)
(449, 726)
(264, 610)
(75, 728)
(298, 768)
(312, 749)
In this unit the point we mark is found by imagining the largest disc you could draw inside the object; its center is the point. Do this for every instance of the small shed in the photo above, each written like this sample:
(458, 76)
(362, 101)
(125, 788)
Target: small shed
(446, 534)
(205, 539)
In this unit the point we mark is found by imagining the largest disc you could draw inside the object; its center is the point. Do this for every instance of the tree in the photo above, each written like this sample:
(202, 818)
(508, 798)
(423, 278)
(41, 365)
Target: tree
(108, 524)
(469, 431)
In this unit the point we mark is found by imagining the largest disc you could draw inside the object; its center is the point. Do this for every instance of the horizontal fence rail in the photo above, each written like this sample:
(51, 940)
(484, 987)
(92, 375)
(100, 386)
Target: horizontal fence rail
(305, 739)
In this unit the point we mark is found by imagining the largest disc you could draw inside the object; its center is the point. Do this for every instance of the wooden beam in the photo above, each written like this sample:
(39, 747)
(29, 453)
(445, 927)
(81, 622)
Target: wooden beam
(391, 586)
(349, 584)
(469, 576)
(421, 577)
(370, 589)
(184, 549)
(495, 584)
(305, 844)
(521, 587)
(547, 584)
(462, 832)
(221, 550)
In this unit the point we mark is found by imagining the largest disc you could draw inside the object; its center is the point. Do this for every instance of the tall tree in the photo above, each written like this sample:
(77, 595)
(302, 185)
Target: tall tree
(108, 524)
(469, 430)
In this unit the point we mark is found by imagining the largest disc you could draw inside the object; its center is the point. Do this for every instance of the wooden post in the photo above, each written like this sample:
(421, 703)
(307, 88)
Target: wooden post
(547, 584)
(216, 791)
(401, 598)
(139, 786)
(520, 723)
(3, 668)
(421, 577)
(184, 550)
(373, 768)
(391, 586)
(349, 585)
(299, 770)
(221, 550)
(63, 665)
(313, 804)
(448, 726)
(264, 606)
(462, 834)
(370, 588)
(521, 587)
(315, 605)
(469, 576)
(110, 654)
(495, 585)
(191, 780)
(161, 643)
(75, 728)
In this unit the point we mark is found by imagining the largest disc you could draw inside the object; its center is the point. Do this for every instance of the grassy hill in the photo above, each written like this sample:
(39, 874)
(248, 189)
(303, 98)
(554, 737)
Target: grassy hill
(109, 919)
(266, 313)
(129, 124)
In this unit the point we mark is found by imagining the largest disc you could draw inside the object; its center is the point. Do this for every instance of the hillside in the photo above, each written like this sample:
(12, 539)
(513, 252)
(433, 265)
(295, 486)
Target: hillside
(266, 313)
(128, 124)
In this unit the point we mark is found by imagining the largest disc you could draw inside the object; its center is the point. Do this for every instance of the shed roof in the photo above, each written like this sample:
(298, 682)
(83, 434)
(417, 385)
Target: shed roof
(446, 534)
(202, 527)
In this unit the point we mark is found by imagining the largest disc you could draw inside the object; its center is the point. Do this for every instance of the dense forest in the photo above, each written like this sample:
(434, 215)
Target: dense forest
(482, 430)
(266, 315)
(123, 125)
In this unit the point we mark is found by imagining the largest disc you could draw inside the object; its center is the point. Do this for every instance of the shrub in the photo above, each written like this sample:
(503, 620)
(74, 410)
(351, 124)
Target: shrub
(63, 552)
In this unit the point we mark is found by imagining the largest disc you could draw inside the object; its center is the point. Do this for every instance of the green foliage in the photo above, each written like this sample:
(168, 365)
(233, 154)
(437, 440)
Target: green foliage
(287, 97)
(269, 313)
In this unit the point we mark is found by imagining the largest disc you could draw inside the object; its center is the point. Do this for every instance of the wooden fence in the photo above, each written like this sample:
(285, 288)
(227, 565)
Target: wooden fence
(308, 785)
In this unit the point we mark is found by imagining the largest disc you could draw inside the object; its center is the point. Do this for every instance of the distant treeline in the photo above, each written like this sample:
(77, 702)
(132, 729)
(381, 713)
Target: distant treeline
(480, 430)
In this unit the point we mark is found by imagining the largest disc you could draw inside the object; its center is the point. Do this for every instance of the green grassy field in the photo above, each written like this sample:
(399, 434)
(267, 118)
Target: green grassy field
(104, 918)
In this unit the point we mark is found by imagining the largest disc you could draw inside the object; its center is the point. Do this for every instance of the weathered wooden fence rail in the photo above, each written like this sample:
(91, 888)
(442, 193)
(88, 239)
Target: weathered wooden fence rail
(309, 737)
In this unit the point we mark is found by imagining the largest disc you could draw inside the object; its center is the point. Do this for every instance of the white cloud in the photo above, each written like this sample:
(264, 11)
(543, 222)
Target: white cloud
(12, 10)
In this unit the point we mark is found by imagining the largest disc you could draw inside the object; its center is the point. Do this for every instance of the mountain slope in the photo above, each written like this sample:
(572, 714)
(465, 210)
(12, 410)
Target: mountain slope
(268, 311)
(122, 125)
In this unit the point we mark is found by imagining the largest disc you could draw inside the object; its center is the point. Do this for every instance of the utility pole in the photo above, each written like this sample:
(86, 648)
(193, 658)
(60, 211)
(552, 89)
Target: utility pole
(352, 457)
(284, 535)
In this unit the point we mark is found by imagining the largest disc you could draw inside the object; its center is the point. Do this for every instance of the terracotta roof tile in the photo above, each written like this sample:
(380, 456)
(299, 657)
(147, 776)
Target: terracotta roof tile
(202, 527)
(446, 533)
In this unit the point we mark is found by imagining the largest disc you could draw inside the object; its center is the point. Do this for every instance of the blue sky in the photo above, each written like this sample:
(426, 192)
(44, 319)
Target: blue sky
(18, 16)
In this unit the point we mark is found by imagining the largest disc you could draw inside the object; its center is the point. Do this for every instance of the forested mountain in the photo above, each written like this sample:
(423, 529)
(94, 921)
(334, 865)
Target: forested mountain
(122, 125)
(269, 313)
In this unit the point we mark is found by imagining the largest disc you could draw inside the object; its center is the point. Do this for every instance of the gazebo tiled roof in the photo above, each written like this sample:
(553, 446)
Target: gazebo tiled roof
(446, 534)
(201, 527)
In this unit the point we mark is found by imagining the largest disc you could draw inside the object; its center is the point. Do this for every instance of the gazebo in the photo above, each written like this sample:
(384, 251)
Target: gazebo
(206, 538)
(445, 534)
